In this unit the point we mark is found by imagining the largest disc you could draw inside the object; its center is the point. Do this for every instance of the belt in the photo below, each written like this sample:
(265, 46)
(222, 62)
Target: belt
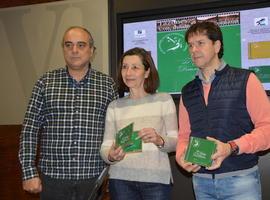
(227, 174)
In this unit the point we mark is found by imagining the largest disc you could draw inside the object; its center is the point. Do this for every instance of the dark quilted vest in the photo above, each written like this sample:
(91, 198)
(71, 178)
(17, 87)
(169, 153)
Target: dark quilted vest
(225, 117)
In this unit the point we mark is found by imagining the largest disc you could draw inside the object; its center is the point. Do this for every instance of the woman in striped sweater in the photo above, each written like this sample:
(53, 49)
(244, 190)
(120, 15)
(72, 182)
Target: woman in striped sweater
(146, 174)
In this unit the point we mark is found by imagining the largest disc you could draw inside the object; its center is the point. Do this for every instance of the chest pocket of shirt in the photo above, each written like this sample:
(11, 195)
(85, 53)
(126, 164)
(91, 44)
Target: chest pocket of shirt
(58, 104)
(96, 102)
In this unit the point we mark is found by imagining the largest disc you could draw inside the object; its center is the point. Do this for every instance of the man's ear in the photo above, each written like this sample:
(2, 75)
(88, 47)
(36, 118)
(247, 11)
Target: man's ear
(217, 45)
(93, 53)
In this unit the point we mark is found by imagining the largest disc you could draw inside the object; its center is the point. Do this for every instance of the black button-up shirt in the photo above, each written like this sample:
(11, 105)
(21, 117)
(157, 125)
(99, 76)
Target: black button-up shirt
(70, 117)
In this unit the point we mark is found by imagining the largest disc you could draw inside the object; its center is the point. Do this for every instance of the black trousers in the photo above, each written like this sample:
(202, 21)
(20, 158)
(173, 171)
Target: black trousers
(61, 189)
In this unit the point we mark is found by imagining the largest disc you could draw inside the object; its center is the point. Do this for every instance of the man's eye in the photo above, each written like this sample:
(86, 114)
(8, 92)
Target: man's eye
(201, 43)
(68, 45)
(81, 45)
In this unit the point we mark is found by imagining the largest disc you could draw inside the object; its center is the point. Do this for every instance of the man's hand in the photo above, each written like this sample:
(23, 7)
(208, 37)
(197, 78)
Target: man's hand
(223, 151)
(189, 167)
(32, 185)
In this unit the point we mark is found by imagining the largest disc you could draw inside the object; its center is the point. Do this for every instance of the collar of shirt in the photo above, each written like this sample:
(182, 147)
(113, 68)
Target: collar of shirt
(199, 73)
(81, 82)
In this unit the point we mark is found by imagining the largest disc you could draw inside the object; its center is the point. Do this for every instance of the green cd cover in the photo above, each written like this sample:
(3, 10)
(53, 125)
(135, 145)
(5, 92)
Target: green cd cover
(128, 139)
(199, 151)
(136, 143)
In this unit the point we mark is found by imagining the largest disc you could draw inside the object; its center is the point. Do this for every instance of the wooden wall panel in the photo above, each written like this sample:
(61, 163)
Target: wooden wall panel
(10, 173)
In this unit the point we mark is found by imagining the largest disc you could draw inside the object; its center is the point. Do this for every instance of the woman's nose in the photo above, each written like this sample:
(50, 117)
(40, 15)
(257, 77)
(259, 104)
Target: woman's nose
(129, 71)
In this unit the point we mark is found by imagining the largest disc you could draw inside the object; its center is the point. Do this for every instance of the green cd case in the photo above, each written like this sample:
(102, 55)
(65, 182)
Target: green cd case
(128, 139)
(199, 151)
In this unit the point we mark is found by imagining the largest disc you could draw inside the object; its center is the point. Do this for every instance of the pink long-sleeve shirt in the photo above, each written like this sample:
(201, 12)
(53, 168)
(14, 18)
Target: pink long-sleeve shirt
(258, 106)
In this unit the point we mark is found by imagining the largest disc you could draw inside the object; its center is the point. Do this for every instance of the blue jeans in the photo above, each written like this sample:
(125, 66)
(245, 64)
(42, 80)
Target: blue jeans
(133, 190)
(239, 187)
(58, 189)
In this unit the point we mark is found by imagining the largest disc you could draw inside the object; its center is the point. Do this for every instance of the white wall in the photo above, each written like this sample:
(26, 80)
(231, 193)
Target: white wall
(30, 45)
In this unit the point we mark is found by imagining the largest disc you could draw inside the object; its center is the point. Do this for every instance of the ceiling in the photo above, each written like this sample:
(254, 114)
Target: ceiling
(13, 3)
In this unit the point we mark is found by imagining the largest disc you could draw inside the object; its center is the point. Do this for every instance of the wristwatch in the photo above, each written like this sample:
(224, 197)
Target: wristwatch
(163, 142)
(234, 148)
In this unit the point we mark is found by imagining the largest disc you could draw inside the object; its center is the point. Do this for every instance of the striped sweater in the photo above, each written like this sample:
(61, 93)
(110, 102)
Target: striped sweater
(152, 111)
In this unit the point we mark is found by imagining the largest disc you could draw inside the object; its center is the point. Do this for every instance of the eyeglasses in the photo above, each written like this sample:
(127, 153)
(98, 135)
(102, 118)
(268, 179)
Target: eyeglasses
(79, 45)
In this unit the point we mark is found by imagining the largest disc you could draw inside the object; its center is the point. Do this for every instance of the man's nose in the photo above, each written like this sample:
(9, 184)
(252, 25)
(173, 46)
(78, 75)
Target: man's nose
(193, 48)
(74, 48)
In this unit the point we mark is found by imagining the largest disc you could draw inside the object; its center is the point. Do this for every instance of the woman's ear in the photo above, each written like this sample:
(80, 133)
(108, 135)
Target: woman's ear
(146, 75)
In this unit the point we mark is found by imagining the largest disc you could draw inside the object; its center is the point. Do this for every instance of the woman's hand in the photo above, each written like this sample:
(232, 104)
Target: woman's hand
(116, 153)
(149, 135)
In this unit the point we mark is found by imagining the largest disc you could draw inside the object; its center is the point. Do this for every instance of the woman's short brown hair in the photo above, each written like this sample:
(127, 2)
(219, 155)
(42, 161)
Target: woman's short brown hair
(151, 83)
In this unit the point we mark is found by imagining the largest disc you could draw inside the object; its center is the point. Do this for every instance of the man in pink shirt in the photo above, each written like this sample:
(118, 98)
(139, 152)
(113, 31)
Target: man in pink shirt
(230, 107)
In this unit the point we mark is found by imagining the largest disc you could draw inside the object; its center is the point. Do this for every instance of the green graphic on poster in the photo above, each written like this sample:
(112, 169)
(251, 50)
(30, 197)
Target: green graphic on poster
(232, 45)
(262, 72)
(174, 63)
(175, 66)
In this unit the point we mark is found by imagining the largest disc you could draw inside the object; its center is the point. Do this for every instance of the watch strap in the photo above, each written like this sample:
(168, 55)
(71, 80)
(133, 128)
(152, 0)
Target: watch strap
(234, 148)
